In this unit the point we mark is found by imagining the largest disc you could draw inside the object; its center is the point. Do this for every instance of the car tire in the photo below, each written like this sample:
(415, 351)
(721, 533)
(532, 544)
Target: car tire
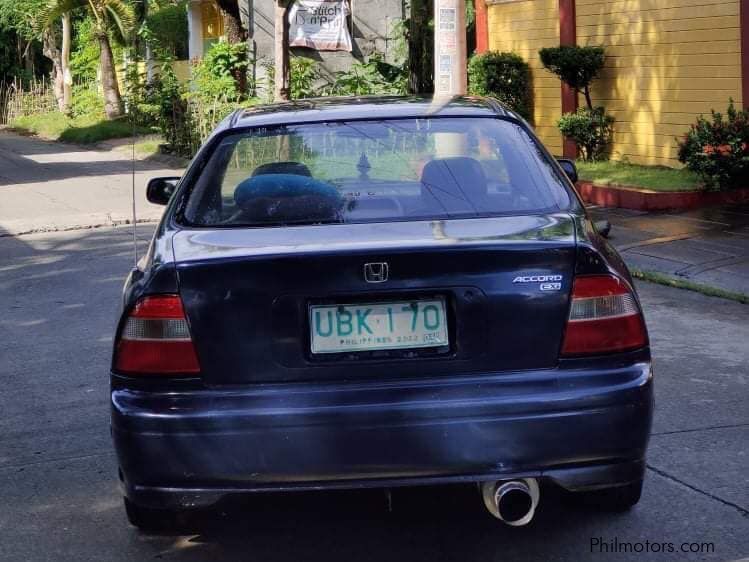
(618, 499)
(151, 519)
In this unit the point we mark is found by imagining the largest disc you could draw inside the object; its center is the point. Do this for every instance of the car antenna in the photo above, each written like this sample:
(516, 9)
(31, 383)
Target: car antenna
(132, 190)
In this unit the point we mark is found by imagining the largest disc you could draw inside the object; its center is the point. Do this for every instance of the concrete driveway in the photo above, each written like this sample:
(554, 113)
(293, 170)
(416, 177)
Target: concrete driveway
(59, 499)
(48, 186)
(708, 246)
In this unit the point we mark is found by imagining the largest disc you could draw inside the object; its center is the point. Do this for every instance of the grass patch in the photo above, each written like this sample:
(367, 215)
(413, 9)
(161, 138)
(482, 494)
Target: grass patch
(656, 178)
(148, 147)
(85, 129)
(662, 279)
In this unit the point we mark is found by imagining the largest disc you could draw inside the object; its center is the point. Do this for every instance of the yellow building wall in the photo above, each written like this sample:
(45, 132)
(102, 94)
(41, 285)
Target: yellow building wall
(182, 69)
(667, 61)
(525, 27)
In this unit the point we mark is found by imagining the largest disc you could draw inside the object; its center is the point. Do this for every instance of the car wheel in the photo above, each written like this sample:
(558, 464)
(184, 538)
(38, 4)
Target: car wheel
(620, 498)
(150, 519)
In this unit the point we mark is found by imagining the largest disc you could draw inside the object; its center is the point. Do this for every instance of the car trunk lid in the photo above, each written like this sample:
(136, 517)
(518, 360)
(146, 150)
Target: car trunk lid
(505, 283)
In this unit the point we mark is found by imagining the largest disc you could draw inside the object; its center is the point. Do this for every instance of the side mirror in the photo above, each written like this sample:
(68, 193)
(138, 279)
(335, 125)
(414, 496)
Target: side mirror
(603, 228)
(160, 190)
(569, 168)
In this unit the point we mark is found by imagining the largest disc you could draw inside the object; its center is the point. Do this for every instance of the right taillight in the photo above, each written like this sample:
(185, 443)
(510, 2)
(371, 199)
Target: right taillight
(155, 339)
(604, 317)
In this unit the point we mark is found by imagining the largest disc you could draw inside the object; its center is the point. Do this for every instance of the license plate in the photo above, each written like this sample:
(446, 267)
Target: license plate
(376, 326)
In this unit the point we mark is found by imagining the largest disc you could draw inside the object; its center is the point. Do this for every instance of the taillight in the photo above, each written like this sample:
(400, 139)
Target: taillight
(604, 317)
(156, 339)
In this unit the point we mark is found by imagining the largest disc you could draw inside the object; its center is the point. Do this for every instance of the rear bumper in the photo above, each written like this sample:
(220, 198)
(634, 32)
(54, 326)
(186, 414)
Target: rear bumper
(579, 428)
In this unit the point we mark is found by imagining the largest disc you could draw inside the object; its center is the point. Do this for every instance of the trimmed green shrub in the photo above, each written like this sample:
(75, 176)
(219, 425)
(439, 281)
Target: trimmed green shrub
(718, 148)
(591, 129)
(505, 76)
(576, 66)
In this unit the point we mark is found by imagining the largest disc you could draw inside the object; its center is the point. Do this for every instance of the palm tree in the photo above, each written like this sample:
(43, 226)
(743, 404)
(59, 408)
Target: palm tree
(54, 10)
(114, 16)
(109, 16)
(282, 77)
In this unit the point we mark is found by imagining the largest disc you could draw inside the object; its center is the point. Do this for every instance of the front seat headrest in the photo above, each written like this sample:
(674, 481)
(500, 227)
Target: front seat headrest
(295, 168)
(458, 183)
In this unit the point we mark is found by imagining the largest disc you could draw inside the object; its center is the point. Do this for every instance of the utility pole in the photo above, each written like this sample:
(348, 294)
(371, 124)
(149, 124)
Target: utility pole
(281, 87)
(450, 57)
(450, 72)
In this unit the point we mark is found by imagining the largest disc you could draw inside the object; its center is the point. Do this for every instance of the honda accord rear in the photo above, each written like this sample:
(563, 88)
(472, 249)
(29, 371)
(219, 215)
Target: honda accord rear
(377, 293)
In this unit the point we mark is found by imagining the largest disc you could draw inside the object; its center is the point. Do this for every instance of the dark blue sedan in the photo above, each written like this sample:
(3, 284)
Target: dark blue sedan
(378, 292)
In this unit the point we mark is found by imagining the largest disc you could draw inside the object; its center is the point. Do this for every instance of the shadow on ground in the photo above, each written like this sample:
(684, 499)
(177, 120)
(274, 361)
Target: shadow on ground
(435, 523)
(25, 159)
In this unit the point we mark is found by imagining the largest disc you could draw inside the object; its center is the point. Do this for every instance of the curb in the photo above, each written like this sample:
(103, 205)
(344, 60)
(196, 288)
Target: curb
(176, 162)
(646, 200)
(679, 283)
(114, 223)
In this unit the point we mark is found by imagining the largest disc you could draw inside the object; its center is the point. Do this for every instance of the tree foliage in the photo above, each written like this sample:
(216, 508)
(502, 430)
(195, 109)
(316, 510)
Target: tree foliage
(21, 16)
(19, 45)
(165, 28)
(304, 75)
(373, 77)
(84, 60)
(215, 74)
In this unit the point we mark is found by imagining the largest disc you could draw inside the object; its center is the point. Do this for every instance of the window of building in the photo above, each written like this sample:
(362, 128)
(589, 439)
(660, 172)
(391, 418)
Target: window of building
(213, 24)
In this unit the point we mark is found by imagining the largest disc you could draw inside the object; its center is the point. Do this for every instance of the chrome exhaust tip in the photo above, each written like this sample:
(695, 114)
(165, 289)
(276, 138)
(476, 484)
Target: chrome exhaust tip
(513, 502)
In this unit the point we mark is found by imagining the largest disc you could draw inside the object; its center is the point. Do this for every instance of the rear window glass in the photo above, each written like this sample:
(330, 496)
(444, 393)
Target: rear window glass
(371, 171)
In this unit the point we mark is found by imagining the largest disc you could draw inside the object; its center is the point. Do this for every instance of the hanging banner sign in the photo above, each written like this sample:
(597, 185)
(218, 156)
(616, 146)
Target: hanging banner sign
(320, 24)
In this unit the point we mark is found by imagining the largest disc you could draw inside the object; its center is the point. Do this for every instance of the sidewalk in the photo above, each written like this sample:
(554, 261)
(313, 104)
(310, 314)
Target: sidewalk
(706, 246)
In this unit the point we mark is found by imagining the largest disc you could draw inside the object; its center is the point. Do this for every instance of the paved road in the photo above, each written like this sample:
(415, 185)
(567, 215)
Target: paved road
(50, 186)
(59, 500)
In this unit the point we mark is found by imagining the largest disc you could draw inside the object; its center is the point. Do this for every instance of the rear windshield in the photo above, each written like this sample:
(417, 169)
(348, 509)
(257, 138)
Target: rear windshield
(373, 171)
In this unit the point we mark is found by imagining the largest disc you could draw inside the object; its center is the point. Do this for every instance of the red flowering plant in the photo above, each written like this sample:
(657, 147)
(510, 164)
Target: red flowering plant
(718, 149)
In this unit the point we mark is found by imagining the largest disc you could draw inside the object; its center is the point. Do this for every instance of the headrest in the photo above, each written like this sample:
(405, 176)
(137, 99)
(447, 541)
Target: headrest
(296, 168)
(451, 179)
(288, 197)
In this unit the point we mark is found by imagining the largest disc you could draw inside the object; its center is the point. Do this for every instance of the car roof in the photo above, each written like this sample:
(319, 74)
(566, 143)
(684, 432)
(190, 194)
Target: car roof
(365, 107)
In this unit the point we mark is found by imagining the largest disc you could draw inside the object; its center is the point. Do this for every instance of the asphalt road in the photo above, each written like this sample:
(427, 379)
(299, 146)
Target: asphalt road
(59, 500)
(47, 186)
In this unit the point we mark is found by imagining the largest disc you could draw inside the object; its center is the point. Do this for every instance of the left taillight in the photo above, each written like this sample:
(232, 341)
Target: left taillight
(604, 318)
(155, 339)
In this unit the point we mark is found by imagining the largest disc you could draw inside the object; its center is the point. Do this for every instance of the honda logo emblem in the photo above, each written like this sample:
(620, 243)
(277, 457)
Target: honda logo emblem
(376, 272)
